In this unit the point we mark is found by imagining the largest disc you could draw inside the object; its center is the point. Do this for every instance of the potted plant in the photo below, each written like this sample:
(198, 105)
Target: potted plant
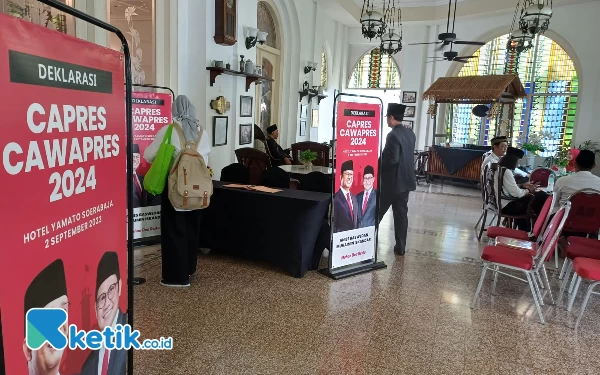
(307, 157)
(531, 144)
(590, 145)
(560, 160)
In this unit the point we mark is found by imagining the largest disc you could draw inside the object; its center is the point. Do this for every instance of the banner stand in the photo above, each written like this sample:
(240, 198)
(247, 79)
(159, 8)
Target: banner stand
(362, 266)
(129, 119)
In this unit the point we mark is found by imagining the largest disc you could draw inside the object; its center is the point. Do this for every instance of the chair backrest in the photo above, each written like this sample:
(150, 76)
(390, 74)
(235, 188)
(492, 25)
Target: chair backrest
(317, 182)
(255, 160)
(490, 190)
(544, 216)
(482, 179)
(585, 212)
(275, 177)
(552, 234)
(541, 176)
(321, 150)
(259, 134)
(236, 173)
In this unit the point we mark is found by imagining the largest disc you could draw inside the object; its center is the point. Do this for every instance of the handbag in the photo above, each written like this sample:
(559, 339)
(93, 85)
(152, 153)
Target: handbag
(156, 178)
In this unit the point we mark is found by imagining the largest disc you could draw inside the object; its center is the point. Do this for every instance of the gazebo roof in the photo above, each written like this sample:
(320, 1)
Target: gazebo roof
(475, 89)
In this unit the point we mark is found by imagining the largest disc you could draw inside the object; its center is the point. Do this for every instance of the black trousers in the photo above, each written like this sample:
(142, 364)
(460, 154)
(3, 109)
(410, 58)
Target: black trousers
(179, 239)
(519, 207)
(399, 203)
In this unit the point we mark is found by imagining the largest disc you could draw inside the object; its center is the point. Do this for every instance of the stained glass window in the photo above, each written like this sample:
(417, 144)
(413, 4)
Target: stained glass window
(267, 24)
(41, 14)
(375, 71)
(323, 69)
(550, 80)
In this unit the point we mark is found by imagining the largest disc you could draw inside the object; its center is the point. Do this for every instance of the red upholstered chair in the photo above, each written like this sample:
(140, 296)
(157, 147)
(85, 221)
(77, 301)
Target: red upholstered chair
(585, 212)
(579, 247)
(539, 227)
(589, 269)
(541, 176)
(497, 257)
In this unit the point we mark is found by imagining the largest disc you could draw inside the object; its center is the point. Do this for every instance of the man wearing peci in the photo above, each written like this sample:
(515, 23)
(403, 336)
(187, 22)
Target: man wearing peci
(397, 173)
(108, 292)
(279, 156)
(367, 199)
(141, 198)
(345, 203)
(47, 290)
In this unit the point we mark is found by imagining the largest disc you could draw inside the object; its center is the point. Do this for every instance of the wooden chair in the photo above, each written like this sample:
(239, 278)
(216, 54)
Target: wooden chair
(487, 196)
(255, 160)
(321, 150)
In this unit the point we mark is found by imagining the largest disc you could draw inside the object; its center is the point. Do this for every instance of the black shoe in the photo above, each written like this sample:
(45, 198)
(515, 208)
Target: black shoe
(399, 251)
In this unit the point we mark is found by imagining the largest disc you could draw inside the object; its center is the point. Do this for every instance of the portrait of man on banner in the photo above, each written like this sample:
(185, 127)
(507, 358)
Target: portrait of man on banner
(345, 203)
(367, 199)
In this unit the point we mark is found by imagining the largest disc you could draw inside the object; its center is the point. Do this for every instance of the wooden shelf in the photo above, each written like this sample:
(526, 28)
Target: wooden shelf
(250, 78)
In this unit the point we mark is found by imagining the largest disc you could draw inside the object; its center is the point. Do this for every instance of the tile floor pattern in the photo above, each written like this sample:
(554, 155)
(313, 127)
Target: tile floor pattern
(241, 317)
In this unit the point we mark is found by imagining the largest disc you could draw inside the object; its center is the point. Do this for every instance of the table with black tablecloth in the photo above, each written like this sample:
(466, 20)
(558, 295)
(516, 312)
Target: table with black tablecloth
(279, 228)
(462, 163)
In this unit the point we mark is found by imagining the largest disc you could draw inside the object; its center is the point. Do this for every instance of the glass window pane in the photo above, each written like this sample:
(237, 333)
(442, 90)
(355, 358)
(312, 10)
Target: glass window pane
(375, 71)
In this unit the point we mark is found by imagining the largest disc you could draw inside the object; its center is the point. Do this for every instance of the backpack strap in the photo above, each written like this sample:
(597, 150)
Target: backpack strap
(182, 139)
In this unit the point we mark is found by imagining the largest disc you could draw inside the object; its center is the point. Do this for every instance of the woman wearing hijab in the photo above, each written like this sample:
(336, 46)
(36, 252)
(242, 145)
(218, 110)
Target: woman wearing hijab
(179, 228)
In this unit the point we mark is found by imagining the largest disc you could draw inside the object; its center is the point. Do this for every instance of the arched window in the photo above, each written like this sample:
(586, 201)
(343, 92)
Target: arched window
(550, 80)
(375, 71)
(323, 69)
(265, 22)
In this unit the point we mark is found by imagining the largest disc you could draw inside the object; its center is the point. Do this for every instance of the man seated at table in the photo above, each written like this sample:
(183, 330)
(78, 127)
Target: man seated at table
(279, 156)
(499, 146)
(581, 179)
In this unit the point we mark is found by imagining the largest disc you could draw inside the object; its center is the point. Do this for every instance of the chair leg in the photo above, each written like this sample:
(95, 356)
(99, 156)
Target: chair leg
(537, 288)
(483, 272)
(574, 294)
(584, 304)
(563, 269)
(535, 297)
(482, 225)
(496, 269)
(548, 284)
(491, 221)
(479, 221)
(566, 276)
(555, 256)
(573, 281)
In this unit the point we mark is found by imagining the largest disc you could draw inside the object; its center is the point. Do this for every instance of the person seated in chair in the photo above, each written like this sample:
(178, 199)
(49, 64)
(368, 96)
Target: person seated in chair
(521, 177)
(279, 156)
(499, 146)
(581, 179)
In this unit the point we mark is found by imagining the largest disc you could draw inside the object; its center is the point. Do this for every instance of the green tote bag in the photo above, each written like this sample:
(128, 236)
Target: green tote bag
(156, 178)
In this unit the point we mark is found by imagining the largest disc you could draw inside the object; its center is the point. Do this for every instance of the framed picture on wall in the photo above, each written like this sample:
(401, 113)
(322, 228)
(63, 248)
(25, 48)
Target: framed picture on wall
(409, 97)
(315, 118)
(245, 134)
(245, 106)
(303, 110)
(408, 124)
(410, 111)
(302, 128)
(220, 124)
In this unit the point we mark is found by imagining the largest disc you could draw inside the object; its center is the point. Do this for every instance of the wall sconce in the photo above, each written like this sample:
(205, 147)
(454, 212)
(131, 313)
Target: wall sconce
(310, 66)
(255, 35)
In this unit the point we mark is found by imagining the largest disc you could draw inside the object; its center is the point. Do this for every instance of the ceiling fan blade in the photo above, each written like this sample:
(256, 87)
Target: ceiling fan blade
(464, 57)
(418, 44)
(461, 61)
(469, 43)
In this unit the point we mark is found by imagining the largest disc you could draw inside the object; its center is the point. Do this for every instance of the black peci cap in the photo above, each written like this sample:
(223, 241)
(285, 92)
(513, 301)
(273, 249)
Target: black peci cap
(108, 266)
(348, 165)
(369, 170)
(516, 152)
(271, 129)
(47, 286)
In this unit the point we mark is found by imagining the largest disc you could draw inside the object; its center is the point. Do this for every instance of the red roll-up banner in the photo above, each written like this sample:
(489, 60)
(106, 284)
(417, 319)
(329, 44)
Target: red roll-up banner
(151, 111)
(63, 203)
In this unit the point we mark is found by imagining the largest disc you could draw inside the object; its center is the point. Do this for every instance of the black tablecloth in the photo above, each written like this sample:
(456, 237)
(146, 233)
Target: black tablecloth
(279, 228)
(456, 158)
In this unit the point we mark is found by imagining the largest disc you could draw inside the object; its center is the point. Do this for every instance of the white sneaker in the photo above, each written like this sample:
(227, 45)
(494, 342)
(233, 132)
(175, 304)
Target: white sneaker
(175, 285)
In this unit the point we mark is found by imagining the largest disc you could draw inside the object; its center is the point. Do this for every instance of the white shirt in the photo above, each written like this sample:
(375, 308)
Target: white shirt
(152, 150)
(490, 158)
(568, 185)
(103, 349)
(346, 192)
(509, 186)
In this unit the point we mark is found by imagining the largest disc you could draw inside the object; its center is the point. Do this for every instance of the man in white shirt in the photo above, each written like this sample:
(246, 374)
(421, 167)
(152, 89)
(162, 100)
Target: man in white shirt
(582, 179)
(108, 292)
(499, 146)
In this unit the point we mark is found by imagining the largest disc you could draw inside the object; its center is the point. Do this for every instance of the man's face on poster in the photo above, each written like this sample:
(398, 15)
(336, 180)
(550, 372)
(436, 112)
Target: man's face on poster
(46, 359)
(136, 161)
(368, 181)
(107, 303)
(347, 179)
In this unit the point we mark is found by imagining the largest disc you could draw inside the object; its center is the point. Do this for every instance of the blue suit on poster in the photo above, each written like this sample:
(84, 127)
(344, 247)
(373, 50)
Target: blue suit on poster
(368, 217)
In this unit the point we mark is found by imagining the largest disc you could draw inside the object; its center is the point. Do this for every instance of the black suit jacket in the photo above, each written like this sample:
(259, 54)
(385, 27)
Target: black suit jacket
(369, 217)
(343, 218)
(277, 152)
(117, 361)
(144, 199)
(397, 162)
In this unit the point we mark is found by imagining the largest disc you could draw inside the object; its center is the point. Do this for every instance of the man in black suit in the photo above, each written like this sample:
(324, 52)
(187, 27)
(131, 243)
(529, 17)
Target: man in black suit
(367, 199)
(279, 156)
(346, 207)
(397, 174)
(47, 290)
(108, 292)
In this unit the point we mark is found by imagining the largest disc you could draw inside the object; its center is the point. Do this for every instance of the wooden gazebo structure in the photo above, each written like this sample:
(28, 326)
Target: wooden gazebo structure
(502, 89)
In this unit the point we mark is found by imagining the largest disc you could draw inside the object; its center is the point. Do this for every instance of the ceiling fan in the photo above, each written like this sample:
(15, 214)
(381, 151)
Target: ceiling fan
(451, 56)
(448, 37)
